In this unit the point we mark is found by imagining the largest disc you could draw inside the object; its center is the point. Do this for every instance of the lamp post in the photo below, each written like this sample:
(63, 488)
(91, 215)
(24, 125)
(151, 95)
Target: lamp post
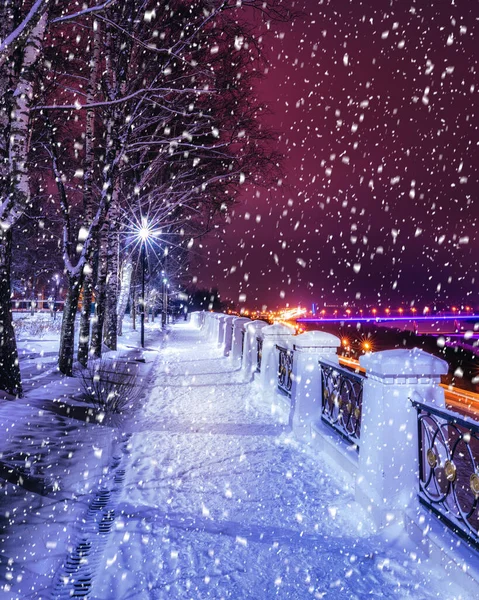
(55, 296)
(142, 315)
(143, 233)
(165, 303)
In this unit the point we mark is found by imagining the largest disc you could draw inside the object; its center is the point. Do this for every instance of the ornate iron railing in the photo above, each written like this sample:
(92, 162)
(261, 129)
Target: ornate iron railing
(259, 354)
(342, 400)
(285, 370)
(449, 467)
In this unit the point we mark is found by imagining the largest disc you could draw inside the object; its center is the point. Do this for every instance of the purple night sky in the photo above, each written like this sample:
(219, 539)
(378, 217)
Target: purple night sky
(376, 104)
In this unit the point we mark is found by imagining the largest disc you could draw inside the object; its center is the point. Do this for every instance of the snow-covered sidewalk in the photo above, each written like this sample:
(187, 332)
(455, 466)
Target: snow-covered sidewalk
(220, 501)
(57, 456)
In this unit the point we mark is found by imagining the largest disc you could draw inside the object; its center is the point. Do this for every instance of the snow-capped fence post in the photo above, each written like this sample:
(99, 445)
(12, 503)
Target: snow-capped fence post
(272, 335)
(228, 339)
(306, 392)
(209, 316)
(250, 350)
(221, 330)
(211, 330)
(195, 318)
(216, 327)
(238, 338)
(388, 470)
(205, 324)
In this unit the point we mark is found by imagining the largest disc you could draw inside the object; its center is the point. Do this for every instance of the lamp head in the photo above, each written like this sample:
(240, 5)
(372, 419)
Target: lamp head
(144, 232)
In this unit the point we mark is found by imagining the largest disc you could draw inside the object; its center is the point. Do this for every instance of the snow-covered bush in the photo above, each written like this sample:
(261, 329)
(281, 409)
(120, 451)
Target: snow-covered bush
(37, 327)
(110, 385)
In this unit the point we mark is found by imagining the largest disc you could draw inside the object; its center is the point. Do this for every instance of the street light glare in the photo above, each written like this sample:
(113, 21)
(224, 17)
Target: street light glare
(144, 232)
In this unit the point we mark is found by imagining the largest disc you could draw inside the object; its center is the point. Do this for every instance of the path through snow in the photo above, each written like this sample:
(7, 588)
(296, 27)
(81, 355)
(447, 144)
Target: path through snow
(219, 501)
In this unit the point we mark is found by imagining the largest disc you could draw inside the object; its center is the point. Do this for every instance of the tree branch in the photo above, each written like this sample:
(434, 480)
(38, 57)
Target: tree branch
(21, 33)
(86, 11)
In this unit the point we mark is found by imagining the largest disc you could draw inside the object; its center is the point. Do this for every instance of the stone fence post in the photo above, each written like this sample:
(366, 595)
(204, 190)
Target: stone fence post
(237, 340)
(306, 391)
(195, 318)
(208, 323)
(228, 338)
(271, 336)
(216, 328)
(221, 330)
(211, 325)
(250, 350)
(388, 467)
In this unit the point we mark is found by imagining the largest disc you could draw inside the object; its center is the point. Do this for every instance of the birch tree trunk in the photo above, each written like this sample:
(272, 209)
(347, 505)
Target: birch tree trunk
(85, 317)
(15, 185)
(112, 281)
(11, 40)
(67, 338)
(124, 293)
(17, 197)
(97, 325)
(152, 306)
(10, 379)
(133, 310)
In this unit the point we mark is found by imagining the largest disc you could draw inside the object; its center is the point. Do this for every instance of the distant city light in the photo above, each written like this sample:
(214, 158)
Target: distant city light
(292, 313)
(379, 319)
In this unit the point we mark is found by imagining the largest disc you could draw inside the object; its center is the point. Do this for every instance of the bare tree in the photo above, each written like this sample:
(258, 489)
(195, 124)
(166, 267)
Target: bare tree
(23, 31)
(16, 91)
(88, 189)
(160, 96)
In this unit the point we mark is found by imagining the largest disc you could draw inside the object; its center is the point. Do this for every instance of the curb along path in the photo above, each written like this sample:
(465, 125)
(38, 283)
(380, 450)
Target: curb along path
(219, 501)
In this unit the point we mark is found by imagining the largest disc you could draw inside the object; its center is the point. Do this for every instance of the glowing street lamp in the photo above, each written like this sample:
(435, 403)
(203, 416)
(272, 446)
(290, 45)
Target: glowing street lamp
(144, 232)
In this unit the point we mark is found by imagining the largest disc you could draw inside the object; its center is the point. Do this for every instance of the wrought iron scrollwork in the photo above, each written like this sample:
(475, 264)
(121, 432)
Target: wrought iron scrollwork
(449, 468)
(342, 401)
(259, 354)
(285, 370)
